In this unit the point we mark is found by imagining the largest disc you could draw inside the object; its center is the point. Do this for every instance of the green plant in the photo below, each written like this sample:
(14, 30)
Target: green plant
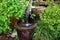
(32, 16)
(9, 8)
(48, 27)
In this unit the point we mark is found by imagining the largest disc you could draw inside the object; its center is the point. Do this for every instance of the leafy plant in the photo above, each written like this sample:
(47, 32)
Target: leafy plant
(9, 8)
(48, 27)
(32, 16)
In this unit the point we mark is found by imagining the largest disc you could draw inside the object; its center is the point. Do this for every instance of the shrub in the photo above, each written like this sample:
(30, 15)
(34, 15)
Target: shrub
(10, 8)
(48, 27)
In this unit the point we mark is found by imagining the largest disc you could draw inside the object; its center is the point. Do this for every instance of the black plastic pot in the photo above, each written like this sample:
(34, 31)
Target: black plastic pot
(24, 33)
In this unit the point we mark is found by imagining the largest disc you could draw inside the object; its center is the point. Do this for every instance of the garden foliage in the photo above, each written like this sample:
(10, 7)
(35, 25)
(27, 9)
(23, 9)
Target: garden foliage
(48, 27)
(9, 8)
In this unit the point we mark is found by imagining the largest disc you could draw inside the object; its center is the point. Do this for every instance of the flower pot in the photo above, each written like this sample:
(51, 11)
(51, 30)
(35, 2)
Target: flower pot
(24, 33)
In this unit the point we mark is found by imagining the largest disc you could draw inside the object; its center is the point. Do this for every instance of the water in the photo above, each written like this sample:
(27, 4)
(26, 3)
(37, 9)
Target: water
(28, 12)
(27, 21)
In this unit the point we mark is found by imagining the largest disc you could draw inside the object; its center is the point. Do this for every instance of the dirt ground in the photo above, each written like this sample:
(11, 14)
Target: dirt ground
(3, 37)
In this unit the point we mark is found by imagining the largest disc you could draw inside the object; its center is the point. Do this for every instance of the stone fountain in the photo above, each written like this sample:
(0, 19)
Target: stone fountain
(25, 31)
